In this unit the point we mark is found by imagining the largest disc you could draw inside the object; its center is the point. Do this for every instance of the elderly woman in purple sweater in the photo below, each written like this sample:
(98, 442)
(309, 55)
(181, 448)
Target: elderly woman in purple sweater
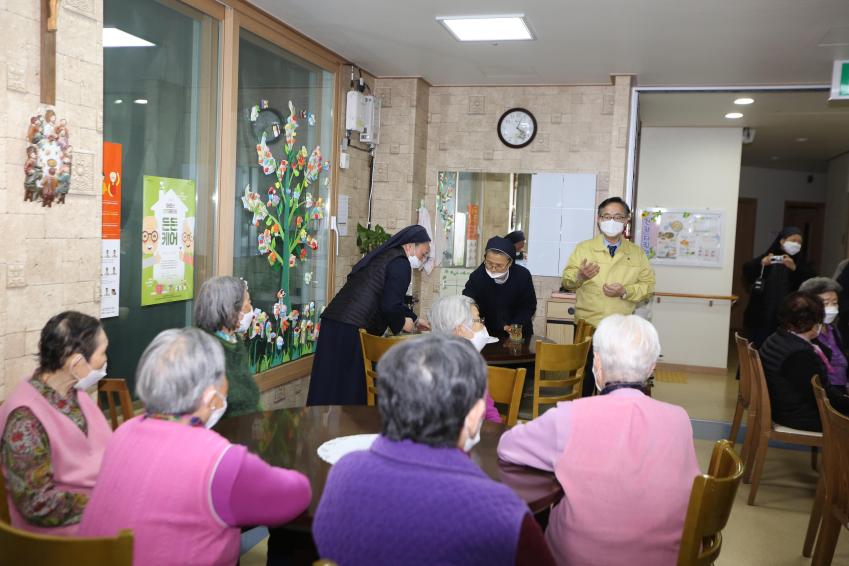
(828, 290)
(183, 489)
(415, 497)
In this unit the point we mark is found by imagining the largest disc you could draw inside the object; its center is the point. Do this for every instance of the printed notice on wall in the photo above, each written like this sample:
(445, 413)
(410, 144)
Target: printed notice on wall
(682, 237)
(168, 229)
(110, 256)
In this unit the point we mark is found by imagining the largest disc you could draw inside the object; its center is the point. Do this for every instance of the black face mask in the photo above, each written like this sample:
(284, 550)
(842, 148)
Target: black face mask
(610, 387)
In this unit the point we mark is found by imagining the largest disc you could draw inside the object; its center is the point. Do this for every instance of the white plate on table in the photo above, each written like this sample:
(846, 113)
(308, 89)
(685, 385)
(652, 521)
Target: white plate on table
(335, 448)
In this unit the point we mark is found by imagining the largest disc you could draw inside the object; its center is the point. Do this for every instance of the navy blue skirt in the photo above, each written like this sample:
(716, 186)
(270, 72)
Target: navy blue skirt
(338, 376)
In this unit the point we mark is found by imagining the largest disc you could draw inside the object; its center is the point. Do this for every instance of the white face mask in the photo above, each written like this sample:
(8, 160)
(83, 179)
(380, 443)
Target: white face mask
(499, 278)
(473, 440)
(611, 228)
(792, 248)
(93, 376)
(245, 321)
(415, 262)
(480, 339)
(830, 314)
(216, 413)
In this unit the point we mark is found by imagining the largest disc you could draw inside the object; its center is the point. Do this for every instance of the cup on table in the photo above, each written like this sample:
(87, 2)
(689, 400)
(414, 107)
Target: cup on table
(516, 333)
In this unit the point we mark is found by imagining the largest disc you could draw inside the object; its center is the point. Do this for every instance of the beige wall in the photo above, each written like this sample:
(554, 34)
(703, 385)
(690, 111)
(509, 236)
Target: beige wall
(836, 246)
(697, 168)
(49, 261)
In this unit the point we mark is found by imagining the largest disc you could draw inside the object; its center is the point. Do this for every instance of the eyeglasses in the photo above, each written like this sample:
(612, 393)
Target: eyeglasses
(153, 236)
(187, 238)
(498, 267)
(617, 218)
(478, 320)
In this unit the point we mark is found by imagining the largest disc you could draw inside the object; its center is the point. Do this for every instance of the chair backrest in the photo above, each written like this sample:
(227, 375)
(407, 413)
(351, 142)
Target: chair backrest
(568, 359)
(710, 506)
(373, 349)
(109, 387)
(23, 547)
(505, 386)
(583, 330)
(759, 392)
(745, 369)
(837, 478)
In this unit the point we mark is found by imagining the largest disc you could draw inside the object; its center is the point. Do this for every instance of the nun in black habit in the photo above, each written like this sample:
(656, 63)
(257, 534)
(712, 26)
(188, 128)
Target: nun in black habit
(503, 290)
(778, 272)
(372, 298)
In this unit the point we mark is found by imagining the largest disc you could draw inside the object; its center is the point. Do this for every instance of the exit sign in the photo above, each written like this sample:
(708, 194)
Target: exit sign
(840, 81)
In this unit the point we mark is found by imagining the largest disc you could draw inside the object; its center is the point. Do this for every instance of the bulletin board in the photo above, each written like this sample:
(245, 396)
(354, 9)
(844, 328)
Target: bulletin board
(682, 237)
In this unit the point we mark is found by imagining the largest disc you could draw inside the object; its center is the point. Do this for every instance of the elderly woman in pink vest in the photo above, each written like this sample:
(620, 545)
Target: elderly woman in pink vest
(458, 315)
(416, 497)
(626, 462)
(54, 435)
(183, 489)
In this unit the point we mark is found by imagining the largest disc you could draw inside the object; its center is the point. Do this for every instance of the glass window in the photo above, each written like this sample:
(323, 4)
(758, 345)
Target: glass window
(284, 143)
(160, 105)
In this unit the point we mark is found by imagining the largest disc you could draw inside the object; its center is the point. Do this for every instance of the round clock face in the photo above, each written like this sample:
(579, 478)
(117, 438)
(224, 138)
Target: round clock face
(517, 127)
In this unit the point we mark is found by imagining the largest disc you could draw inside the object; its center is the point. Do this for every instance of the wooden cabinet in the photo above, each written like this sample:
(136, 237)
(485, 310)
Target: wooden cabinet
(560, 319)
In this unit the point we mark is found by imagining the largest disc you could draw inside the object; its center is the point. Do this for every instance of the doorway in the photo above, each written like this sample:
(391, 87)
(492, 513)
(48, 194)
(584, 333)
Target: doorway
(809, 217)
(744, 244)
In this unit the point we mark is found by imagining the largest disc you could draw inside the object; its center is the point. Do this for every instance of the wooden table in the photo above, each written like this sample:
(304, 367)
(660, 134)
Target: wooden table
(290, 438)
(505, 352)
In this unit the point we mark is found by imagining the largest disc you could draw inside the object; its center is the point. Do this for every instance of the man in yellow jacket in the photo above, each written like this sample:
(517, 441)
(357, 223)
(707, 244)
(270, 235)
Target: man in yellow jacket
(609, 274)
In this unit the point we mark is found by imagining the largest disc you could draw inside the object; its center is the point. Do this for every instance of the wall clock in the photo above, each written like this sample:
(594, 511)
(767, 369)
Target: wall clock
(517, 128)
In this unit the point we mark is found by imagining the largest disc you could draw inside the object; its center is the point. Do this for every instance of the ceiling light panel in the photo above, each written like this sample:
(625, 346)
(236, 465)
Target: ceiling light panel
(487, 28)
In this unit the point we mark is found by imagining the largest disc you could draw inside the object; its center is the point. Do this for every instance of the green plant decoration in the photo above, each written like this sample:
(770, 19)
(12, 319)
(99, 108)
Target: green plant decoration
(289, 218)
(368, 240)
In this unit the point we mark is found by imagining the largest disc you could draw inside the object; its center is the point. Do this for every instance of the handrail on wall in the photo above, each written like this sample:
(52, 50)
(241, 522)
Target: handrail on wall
(709, 298)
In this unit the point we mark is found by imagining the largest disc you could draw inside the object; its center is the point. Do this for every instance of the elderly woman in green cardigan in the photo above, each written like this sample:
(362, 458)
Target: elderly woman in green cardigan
(223, 308)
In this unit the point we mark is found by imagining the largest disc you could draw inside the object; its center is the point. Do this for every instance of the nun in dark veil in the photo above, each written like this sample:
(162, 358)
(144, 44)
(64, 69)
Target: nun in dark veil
(772, 276)
(372, 298)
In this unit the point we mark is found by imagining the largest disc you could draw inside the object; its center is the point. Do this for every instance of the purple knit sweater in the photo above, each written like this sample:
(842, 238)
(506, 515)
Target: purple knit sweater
(408, 503)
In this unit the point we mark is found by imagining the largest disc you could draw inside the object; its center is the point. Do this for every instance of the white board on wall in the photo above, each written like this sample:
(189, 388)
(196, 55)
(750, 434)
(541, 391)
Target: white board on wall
(562, 214)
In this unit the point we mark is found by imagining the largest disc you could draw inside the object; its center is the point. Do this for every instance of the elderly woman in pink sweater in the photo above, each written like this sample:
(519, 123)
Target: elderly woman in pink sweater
(626, 462)
(184, 490)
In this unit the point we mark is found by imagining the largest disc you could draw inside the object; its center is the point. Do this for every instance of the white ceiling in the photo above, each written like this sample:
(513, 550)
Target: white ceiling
(663, 42)
(779, 118)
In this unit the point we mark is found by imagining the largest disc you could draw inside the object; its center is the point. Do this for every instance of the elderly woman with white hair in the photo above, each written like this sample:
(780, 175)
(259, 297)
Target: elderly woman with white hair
(415, 497)
(223, 309)
(458, 315)
(184, 490)
(626, 461)
(830, 337)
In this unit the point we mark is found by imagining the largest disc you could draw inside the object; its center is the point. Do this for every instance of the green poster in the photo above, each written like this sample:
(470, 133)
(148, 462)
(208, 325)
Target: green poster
(168, 229)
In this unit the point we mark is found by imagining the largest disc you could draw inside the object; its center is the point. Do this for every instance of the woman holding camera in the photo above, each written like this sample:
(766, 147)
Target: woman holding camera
(772, 276)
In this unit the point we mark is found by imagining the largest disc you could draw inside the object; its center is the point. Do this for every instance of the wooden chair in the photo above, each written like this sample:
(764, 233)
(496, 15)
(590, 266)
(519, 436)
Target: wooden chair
(505, 386)
(23, 547)
(768, 430)
(563, 358)
(744, 397)
(373, 349)
(112, 386)
(819, 498)
(583, 330)
(835, 509)
(710, 506)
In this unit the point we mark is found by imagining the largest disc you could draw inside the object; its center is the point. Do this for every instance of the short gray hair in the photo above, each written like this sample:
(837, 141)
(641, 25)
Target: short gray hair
(820, 285)
(447, 313)
(426, 386)
(219, 303)
(176, 368)
(627, 346)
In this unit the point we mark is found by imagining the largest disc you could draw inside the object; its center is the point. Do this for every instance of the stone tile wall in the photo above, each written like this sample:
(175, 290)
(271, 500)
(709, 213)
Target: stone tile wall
(50, 257)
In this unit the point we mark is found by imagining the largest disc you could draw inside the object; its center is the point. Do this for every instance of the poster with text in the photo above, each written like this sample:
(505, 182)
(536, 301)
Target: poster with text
(168, 228)
(110, 257)
(682, 237)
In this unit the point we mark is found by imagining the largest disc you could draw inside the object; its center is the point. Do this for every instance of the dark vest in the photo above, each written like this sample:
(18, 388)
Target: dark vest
(358, 301)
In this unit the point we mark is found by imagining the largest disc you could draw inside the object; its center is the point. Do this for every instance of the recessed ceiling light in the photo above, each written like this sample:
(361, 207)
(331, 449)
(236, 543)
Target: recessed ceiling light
(140, 101)
(801, 139)
(774, 158)
(114, 37)
(733, 115)
(744, 101)
(511, 27)
(118, 101)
